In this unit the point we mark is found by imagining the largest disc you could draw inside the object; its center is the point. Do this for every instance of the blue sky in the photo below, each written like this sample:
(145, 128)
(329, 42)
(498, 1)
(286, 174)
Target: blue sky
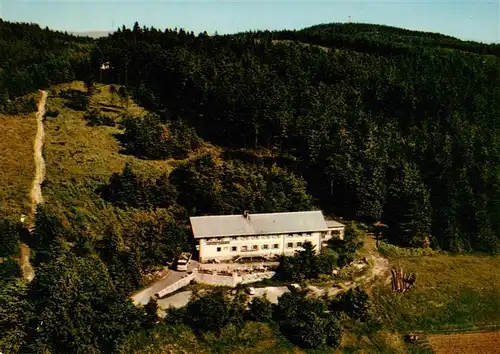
(472, 20)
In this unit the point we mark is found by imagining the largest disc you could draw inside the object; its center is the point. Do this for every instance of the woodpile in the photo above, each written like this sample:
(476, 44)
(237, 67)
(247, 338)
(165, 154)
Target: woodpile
(401, 281)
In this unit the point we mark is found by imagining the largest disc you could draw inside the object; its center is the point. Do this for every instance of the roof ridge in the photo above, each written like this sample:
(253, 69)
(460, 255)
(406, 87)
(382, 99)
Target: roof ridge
(275, 213)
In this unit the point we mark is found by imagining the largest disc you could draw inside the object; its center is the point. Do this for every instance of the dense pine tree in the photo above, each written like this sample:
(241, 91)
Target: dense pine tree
(344, 106)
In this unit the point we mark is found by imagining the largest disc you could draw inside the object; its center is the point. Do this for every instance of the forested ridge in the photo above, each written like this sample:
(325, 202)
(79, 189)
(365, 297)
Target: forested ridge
(382, 123)
(32, 58)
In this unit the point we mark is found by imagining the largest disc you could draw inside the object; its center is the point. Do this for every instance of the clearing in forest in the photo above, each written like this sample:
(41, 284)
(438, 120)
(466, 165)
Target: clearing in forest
(80, 158)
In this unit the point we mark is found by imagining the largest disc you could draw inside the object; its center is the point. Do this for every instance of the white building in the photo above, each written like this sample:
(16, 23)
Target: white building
(224, 237)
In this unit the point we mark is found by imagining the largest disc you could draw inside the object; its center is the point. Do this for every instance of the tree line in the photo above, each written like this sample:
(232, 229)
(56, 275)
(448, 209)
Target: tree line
(307, 321)
(208, 184)
(32, 58)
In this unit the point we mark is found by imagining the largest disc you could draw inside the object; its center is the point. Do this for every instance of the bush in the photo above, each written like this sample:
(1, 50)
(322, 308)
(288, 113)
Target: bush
(212, 312)
(306, 322)
(79, 103)
(260, 310)
(9, 239)
(51, 113)
(392, 251)
(78, 100)
(70, 94)
(355, 303)
(9, 271)
(148, 137)
(346, 248)
(303, 265)
(128, 190)
(19, 106)
(94, 118)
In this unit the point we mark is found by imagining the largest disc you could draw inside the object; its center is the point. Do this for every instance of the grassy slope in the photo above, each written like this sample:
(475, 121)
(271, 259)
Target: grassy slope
(16, 164)
(253, 338)
(451, 293)
(81, 158)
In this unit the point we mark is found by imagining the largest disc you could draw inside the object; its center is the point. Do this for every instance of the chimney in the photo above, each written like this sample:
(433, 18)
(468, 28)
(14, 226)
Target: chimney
(245, 215)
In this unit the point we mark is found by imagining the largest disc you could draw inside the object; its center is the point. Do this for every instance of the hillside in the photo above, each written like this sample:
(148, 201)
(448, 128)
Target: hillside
(378, 128)
(16, 163)
(369, 123)
(360, 36)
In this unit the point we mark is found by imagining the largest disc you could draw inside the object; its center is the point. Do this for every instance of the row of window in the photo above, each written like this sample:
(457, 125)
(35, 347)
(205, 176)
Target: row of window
(256, 247)
(243, 238)
(299, 235)
(256, 237)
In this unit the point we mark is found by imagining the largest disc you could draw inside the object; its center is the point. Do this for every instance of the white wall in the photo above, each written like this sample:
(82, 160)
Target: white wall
(232, 281)
(209, 247)
(314, 238)
(331, 231)
(214, 279)
(178, 284)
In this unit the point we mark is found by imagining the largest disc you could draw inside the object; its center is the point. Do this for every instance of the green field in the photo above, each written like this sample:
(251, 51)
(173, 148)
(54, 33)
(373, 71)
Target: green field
(17, 167)
(451, 293)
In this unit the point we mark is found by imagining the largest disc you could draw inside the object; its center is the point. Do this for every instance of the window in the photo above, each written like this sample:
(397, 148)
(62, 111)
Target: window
(276, 246)
(289, 245)
(233, 249)
(299, 244)
(244, 248)
(255, 247)
(218, 249)
(265, 247)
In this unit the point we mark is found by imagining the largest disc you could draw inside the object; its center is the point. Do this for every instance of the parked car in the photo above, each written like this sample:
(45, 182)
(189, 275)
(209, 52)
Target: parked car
(183, 261)
(251, 291)
(294, 287)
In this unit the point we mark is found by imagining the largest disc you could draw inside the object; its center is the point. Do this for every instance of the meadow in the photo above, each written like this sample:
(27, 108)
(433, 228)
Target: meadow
(17, 166)
(81, 158)
(452, 292)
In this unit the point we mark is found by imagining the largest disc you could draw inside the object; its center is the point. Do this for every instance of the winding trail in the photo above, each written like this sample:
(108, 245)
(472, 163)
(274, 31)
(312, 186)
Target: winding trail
(36, 189)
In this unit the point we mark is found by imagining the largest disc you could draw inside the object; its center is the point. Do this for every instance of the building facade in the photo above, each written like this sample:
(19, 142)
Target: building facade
(335, 230)
(224, 237)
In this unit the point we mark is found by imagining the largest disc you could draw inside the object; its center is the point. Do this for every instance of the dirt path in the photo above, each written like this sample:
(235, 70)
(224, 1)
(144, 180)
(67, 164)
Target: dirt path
(36, 190)
(378, 268)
